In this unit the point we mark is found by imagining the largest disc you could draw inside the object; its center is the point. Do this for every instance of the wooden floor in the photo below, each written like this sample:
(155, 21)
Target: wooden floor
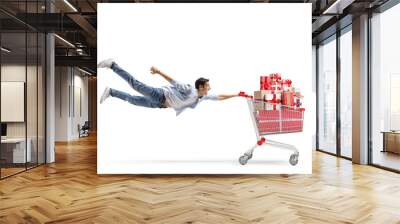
(70, 191)
(10, 171)
(387, 159)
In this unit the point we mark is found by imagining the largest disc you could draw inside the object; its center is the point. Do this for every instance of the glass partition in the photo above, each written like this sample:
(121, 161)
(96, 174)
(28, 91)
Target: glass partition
(385, 89)
(22, 77)
(14, 153)
(327, 96)
(346, 93)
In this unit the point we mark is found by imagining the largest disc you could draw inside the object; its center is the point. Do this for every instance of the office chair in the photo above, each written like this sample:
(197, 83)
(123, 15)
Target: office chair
(84, 130)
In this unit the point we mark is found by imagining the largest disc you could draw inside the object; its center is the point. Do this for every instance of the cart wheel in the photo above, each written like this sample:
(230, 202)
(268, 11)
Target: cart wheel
(243, 159)
(294, 159)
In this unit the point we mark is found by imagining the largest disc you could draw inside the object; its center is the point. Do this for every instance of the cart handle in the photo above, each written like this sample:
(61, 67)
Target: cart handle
(243, 94)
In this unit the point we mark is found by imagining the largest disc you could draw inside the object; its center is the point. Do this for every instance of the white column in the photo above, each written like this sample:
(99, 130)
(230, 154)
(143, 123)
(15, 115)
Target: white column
(50, 93)
(360, 90)
(50, 110)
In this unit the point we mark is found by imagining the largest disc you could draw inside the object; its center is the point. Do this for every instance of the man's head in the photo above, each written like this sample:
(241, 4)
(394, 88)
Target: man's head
(202, 86)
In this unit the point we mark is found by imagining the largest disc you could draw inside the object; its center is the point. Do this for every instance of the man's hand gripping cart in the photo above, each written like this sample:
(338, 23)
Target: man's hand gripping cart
(267, 122)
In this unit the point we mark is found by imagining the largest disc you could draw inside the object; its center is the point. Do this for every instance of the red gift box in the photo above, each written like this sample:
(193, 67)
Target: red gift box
(275, 76)
(265, 82)
(273, 104)
(271, 82)
(298, 102)
(286, 84)
(272, 94)
(288, 98)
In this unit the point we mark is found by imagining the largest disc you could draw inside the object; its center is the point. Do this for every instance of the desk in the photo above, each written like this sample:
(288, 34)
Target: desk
(15, 148)
(391, 141)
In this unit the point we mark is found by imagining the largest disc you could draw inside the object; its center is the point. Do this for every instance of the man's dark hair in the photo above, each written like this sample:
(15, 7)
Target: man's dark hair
(200, 82)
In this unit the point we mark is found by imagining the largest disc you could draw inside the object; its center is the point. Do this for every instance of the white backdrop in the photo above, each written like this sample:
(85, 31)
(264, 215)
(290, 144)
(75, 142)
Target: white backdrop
(232, 45)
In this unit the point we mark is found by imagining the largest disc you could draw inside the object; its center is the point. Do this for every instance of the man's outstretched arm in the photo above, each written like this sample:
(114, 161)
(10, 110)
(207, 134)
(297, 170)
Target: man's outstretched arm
(226, 96)
(154, 70)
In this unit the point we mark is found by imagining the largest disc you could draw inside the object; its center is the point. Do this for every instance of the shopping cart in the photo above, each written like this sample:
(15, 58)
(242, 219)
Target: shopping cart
(286, 119)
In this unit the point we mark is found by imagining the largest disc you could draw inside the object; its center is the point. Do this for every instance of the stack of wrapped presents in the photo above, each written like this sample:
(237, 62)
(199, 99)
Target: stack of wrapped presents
(278, 105)
(276, 93)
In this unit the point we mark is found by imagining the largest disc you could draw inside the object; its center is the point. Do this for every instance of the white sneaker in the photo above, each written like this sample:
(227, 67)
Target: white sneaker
(105, 95)
(106, 63)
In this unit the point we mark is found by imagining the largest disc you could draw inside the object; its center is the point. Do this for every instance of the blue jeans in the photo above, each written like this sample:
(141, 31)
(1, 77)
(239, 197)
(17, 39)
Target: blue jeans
(152, 97)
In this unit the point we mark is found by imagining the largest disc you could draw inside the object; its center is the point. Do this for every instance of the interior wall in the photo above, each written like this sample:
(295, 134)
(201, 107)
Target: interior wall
(71, 102)
(80, 109)
(61, 103)
(17, 73)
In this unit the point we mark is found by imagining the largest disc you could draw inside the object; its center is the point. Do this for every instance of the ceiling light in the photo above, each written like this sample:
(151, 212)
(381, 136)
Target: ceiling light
(5, 50)
(70, 5)
(338, 6)
(84, 71)
(64, 40)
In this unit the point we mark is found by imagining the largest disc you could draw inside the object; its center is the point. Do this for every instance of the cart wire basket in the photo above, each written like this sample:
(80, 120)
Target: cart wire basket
(280, 119)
